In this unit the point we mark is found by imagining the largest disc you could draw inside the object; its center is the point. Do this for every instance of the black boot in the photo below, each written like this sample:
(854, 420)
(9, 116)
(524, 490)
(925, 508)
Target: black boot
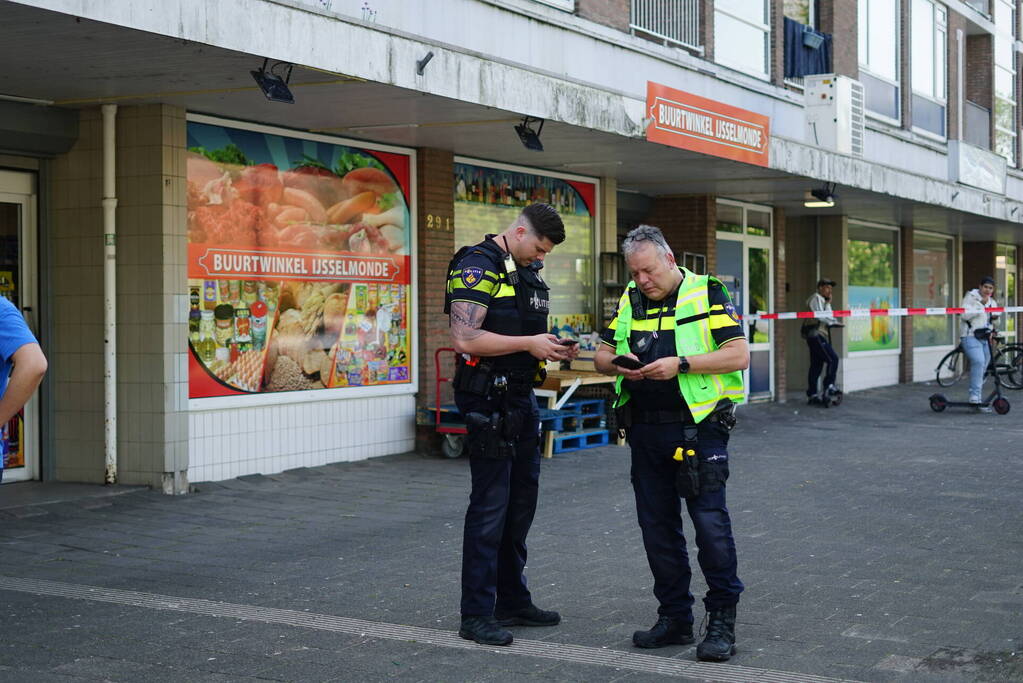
(719, 645)
(528, 616)
(667, 631)
(485, 631)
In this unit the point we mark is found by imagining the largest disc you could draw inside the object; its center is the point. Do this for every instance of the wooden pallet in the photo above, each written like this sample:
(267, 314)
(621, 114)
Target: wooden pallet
(577, 441)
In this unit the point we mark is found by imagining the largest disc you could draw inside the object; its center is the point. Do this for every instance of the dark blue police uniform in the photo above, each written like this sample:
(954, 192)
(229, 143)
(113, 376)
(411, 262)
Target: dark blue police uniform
(658, 417)
(504, 480)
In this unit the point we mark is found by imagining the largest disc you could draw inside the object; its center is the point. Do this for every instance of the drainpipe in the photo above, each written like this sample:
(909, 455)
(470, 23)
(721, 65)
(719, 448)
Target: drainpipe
(109, 293)
(960, 80)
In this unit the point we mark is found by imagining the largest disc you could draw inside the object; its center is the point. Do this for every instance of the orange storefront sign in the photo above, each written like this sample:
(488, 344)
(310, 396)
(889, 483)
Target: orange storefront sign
(688, 121)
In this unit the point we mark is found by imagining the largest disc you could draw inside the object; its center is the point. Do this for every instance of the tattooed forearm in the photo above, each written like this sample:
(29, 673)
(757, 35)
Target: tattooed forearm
(466, 320)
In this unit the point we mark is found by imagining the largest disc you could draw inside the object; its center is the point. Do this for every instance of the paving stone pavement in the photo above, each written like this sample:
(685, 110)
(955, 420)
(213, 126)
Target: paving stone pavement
(878, 541)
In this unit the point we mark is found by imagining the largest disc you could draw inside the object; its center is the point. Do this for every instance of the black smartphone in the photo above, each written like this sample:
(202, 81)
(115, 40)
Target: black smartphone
(567, 342)
(627, 362)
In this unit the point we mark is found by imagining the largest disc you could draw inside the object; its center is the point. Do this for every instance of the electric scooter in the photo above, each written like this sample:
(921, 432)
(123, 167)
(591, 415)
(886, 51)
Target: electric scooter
(832, 395)
(995, 400)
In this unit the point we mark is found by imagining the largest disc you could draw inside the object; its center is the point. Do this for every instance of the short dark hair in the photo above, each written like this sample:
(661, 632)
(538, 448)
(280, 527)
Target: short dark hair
(987, 280)
(545, 222)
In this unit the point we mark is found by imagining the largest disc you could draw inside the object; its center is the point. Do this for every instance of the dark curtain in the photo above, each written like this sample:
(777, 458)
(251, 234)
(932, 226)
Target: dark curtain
(801, 60)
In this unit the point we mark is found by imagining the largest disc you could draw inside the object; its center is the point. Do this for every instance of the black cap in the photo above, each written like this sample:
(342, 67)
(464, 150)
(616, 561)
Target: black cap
(825, 281)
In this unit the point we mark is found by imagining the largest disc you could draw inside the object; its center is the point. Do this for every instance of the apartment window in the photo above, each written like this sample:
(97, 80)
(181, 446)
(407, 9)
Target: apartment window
(1005, 80)
(800, 10)
(929, 45)
(933, 287)
(879, 56)
(741, 35)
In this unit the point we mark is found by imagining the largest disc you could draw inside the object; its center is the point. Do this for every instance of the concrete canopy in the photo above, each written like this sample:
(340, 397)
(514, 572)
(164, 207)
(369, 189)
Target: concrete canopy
(73, 62)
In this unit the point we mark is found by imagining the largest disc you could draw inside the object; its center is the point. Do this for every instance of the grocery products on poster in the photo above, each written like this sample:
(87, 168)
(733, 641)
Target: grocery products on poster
(298, 264)
(876, 333)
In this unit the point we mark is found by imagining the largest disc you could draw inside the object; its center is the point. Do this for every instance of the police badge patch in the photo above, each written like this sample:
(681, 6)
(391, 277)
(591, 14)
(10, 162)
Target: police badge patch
(471, 276)
(730, 310)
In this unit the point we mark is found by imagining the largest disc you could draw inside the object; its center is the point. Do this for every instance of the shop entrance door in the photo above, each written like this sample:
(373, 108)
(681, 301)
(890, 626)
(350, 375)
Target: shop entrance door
(745, 266)
(18, 282)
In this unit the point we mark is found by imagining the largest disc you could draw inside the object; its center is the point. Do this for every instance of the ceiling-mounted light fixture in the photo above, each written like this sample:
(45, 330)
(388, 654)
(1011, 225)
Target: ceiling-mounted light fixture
(530, 138)
(273, 85)
(821, 198)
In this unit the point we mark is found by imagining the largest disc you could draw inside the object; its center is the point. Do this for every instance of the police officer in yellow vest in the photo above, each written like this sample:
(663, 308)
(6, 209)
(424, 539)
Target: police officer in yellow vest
(678, 383)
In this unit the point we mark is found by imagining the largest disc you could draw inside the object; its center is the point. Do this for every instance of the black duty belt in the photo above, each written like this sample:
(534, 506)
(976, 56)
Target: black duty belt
(656, 417)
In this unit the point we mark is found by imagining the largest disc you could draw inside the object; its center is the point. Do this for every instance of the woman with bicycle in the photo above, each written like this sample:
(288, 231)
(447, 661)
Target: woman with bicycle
(975, 328)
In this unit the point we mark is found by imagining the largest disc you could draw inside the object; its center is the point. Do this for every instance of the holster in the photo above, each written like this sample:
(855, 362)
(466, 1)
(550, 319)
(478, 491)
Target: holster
(687, 477)
(623, 418)
(724, 414)
(487, 436)
(474, 379)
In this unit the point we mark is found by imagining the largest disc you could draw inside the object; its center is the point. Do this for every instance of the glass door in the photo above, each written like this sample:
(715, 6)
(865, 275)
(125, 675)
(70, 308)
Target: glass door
(745, 266)
(18, 284)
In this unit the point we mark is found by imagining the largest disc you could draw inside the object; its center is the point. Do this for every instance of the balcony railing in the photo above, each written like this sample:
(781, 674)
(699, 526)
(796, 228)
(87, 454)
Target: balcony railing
(982, 6)
(977, 125)
(676, 22)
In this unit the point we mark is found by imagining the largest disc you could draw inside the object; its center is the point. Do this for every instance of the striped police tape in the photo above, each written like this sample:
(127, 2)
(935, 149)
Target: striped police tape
(876, 312)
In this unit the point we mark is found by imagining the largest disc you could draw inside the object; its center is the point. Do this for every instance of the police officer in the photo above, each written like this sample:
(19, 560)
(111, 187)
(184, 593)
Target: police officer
(498, 306)
(677, 386)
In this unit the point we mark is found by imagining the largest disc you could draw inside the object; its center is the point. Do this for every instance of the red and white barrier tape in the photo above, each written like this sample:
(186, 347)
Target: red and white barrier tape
(876, 312)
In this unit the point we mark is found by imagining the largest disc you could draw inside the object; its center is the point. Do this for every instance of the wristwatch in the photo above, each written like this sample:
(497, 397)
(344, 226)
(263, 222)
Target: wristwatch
(683, 365)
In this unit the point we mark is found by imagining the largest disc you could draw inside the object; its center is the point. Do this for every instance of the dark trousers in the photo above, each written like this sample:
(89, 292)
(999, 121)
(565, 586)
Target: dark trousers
(501, 508)
(821, 354)
(659, 509)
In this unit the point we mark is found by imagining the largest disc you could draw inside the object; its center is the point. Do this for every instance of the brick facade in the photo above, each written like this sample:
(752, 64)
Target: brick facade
(435, 209)
(782, 332)
(689, 224)
(979, 81)
(978, 261)
(906, 274)
(776, 20)
(613, 13)
(841, 21)
(906, 89)
(956, 22)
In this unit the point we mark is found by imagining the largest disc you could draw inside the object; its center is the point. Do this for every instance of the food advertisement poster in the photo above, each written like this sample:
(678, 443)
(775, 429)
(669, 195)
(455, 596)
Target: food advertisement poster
(298, 263)
(487, 200)
(876, 333)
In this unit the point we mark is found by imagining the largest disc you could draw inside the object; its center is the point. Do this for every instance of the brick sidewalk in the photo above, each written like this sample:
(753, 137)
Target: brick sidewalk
(873, 545)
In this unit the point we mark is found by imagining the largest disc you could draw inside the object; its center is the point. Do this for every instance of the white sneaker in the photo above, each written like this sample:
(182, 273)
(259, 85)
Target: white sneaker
(981, 408)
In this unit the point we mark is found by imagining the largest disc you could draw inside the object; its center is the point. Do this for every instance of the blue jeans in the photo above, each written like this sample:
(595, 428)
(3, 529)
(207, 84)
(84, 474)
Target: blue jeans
(659, 509)
(979, 353)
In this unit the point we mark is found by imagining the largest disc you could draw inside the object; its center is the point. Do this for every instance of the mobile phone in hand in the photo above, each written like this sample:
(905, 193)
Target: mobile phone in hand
(567, 342)
(627, 362)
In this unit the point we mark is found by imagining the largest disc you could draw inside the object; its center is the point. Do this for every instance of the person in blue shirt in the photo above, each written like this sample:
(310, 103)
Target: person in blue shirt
(22, 366)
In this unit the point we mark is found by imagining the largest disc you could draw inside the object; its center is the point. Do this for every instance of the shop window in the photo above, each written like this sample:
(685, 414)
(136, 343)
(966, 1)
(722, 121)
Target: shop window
(1005, 79)
(741, 33)
(933, 287)
(879, 56)
(873, 254)
(489, 197)
(1005, 287)
(929, 41)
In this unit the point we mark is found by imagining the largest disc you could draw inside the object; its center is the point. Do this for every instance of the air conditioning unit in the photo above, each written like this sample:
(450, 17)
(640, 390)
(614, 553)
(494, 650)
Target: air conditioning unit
(834, 113)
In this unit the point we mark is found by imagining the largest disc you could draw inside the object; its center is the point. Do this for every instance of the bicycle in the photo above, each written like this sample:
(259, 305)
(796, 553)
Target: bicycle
(1006, 365)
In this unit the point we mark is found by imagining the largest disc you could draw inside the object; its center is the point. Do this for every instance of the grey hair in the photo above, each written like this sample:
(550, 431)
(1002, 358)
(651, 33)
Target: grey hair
(645, 233)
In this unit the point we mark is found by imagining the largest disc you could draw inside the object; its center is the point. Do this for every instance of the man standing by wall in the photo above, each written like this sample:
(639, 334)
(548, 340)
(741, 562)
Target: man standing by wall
(18, 348)
(817, 333)
(677, 386)
(498, 306)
